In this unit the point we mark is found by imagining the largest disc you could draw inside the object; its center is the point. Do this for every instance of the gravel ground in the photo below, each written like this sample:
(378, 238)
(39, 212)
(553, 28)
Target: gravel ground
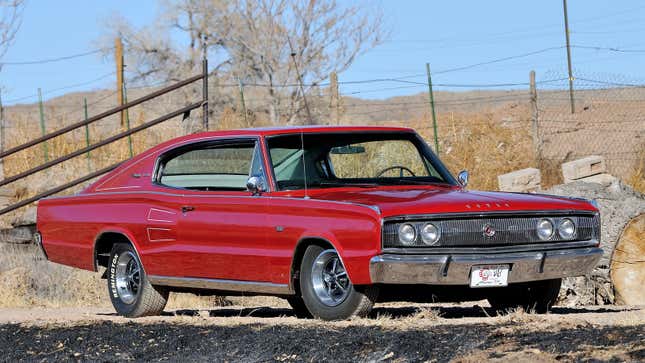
(396, 332)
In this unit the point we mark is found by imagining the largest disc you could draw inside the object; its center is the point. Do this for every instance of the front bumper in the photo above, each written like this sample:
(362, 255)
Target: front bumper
(454, 269)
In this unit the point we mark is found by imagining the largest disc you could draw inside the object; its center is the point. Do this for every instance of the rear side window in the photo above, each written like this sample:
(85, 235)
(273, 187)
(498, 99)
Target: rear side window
(218, 167)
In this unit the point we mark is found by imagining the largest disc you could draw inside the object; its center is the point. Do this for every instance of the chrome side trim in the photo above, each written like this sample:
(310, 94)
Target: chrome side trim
(224, 285)
(455, 269)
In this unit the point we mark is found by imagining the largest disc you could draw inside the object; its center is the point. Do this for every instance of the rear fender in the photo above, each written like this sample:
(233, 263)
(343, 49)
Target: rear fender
(121, 231)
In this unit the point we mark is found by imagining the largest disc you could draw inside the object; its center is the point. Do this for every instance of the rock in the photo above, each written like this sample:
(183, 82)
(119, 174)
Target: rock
(578, 169)
(618, 204)
(23, 234)
(628, 264)
(26, 218)
(525, 180)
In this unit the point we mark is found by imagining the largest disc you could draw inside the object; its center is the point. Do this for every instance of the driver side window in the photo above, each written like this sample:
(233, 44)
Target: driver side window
(211, 167)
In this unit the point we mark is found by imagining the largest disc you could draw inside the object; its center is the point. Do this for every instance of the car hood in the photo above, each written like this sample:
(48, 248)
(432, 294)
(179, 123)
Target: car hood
(427, 200)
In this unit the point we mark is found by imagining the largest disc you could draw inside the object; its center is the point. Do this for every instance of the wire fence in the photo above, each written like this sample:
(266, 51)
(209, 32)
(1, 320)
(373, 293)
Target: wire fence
(608, 121)
(488, 129)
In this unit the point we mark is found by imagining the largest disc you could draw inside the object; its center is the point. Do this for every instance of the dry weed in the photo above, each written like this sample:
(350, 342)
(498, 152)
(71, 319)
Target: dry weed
(28, 280)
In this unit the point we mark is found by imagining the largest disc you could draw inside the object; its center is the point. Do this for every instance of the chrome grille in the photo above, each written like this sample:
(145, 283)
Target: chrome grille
(469, 232)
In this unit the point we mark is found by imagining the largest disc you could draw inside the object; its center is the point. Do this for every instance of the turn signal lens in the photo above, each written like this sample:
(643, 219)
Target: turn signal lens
(566, 228)
(544, 229)
(407, 234)
(430, 234)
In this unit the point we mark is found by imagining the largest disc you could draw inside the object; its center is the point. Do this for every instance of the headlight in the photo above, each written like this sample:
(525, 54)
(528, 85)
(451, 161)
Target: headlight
(407, 234)
(544, 229)
(566, 228)
(430, 234)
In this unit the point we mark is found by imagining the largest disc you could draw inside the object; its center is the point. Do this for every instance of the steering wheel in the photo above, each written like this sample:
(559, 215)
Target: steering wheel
(399, 167)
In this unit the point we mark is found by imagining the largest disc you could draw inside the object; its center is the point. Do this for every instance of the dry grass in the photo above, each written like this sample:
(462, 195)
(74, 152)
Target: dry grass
(637, 179)
(28, 280)
(486, 142)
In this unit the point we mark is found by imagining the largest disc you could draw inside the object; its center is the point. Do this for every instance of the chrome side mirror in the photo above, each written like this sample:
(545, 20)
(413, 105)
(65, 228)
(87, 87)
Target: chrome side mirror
(255, 185)
(462, 178)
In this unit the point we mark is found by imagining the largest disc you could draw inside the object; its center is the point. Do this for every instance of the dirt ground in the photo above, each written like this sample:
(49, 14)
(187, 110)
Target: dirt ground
(394, 333)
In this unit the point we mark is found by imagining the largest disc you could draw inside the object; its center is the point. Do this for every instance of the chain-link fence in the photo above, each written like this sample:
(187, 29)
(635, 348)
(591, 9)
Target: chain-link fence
(609, 121)
(488, 132)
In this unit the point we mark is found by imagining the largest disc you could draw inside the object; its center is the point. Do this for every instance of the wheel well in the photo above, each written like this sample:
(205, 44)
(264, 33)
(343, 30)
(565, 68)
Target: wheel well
(103, 247)
(299, 254)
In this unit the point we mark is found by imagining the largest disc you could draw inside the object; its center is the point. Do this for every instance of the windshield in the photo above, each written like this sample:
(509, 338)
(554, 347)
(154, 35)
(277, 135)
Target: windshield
(354, 159)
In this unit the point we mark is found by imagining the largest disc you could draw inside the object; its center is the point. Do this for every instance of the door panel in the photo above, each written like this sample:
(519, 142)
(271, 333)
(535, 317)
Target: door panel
(221, 227)
(224, 237)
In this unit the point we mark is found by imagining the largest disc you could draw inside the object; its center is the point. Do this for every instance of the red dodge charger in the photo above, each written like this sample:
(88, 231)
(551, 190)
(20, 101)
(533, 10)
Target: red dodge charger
(333, 219)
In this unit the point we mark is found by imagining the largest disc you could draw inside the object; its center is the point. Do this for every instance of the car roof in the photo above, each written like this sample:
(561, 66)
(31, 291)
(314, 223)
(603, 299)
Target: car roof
(271, 131)
(279, 130)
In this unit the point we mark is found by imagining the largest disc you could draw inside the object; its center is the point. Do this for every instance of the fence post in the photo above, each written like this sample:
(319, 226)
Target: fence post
(2, 135)
(534, 118)
(205, 93)
(243, 104)
(87, 135)
(118, 58)
(127, 120)
(42, 124)
(334, 102)
(434, 115)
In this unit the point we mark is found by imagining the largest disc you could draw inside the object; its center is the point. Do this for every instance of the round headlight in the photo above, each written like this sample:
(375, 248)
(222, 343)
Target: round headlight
(407, 234)
(544, 229)
(566, 228)
(430, 234)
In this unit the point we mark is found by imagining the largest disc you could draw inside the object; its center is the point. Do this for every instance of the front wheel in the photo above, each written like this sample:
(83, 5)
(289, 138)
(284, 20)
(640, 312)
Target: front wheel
(131, 293)
(536, 296)
(327, 291)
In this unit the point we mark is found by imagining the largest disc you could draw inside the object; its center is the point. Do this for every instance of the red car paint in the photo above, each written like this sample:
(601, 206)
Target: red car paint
(238, 236)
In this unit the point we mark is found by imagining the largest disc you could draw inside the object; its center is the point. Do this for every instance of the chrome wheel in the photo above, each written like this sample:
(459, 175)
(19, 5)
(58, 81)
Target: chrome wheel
(329, 278)
(128, 277)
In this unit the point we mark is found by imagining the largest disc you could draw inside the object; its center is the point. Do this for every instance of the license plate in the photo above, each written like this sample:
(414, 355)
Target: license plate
(489, 276)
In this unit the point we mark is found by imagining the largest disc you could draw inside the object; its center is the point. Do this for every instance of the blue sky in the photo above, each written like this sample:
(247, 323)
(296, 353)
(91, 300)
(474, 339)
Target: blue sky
(447, 34)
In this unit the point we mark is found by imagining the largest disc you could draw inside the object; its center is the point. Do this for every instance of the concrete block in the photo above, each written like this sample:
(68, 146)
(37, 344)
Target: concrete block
(602, 179)
(27, 217)
(525, 180)
(581, 168)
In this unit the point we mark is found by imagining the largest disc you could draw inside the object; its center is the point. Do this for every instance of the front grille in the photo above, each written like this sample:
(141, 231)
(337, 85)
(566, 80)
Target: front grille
(509, 230)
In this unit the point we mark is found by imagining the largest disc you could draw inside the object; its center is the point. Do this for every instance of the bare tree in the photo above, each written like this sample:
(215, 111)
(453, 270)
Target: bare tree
(10, 20)
(324, 37)
(171, 49)
(249, 40)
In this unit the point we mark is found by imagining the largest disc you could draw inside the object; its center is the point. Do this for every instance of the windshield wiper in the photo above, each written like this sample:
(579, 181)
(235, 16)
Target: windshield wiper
(405, 181)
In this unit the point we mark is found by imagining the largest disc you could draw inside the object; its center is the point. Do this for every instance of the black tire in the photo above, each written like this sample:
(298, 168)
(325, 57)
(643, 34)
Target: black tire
(357, 301)
(299, 307)
(128, 300)
(536, 296)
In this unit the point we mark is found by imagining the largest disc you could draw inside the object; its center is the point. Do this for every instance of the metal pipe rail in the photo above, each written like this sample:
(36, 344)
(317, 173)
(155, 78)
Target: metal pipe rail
(184, 110)
(102, 115)
(58, 189)
(109, 140)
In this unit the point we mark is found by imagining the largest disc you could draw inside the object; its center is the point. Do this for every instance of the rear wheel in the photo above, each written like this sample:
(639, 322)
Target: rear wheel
(131, 293)
(299, 307)
(327, 292)
(535, 296)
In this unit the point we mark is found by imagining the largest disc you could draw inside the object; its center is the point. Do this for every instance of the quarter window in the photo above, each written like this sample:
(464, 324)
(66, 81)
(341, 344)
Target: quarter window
(211, 167)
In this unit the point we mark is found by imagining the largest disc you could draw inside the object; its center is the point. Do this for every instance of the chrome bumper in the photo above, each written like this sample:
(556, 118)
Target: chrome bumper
(454, 269)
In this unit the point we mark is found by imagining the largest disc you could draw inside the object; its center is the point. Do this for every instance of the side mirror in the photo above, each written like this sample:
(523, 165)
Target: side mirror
(255, 185)
(462, 178)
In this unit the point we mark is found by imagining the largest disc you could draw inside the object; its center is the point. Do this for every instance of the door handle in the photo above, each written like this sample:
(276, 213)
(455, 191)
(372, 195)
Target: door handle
(187, 208)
